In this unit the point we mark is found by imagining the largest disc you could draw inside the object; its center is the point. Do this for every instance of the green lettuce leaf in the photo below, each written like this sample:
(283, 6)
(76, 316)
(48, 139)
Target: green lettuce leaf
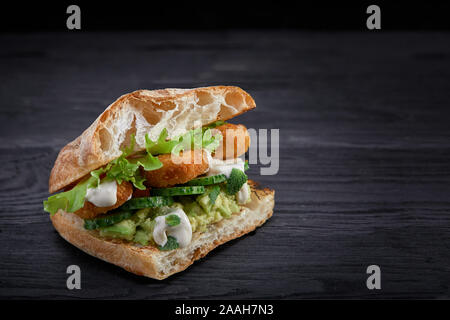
(123, 169)
(120, 169)
(148, 162)
(69, 201)
(96, 174)
(161, 146)
(210, 142)
(198, 138)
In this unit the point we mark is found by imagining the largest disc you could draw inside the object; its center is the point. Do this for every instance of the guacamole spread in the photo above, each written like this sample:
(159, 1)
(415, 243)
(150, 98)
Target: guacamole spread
(214, 205)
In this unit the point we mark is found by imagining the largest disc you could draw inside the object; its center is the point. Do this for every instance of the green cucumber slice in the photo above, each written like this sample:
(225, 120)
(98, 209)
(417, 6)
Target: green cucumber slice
(178, 191)
(107, 220)
(205, 181)
(147, 202)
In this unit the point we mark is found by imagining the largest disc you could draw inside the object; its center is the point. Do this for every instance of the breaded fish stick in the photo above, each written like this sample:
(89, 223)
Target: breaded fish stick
(89, 211)
(177, 169)
(235, 142)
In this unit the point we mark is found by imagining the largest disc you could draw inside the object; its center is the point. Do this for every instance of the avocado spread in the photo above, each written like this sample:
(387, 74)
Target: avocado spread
(202, 210)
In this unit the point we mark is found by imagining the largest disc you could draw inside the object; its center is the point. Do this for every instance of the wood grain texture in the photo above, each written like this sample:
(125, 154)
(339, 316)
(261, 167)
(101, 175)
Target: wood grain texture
(364, 170)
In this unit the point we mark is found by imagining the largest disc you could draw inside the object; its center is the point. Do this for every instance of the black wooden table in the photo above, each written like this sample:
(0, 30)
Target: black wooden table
(364, 172)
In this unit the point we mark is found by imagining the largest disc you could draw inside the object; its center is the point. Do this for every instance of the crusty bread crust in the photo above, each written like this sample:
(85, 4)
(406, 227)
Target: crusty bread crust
(141, 112)
(149, 261)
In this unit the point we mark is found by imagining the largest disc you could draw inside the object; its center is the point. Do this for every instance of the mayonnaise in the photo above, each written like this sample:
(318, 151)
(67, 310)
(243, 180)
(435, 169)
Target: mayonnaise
(217, 166)
(243, 195)
(182, 232)
(105, 195)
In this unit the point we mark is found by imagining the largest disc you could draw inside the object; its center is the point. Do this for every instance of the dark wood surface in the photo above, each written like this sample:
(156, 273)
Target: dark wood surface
(364, 171)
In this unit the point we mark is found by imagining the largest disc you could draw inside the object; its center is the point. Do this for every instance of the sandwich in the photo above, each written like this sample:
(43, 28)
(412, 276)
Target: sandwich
(158, 180)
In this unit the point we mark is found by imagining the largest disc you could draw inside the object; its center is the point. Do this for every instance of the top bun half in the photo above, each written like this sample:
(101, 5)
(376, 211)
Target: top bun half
(141, 112)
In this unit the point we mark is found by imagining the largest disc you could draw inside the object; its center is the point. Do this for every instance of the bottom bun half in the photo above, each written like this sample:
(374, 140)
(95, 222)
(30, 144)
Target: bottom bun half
(149, 261)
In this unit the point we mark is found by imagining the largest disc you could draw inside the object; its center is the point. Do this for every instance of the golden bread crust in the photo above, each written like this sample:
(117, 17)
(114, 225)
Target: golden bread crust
(142, 112)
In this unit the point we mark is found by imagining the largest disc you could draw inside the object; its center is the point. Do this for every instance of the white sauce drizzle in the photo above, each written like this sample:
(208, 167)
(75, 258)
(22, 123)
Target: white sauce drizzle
(182, 232)
(105, 195)
(217, 166)
(243, 195)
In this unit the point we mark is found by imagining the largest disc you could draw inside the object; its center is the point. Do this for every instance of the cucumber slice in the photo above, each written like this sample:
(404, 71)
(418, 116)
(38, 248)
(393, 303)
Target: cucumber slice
(178, 191)
(147, 202)
(205, 181)
(107, 220)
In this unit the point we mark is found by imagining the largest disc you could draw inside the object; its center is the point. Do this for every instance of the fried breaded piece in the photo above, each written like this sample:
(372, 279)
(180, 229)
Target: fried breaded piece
(89, 211)
(141, 193)
(235, 142)
(177, 169)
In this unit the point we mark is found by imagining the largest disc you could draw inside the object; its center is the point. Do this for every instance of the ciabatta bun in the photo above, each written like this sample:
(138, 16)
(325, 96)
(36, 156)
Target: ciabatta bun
(149, 261)
(141, 112)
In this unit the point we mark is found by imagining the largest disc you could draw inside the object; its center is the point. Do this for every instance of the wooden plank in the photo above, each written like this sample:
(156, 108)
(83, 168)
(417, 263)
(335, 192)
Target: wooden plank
(364, 172)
